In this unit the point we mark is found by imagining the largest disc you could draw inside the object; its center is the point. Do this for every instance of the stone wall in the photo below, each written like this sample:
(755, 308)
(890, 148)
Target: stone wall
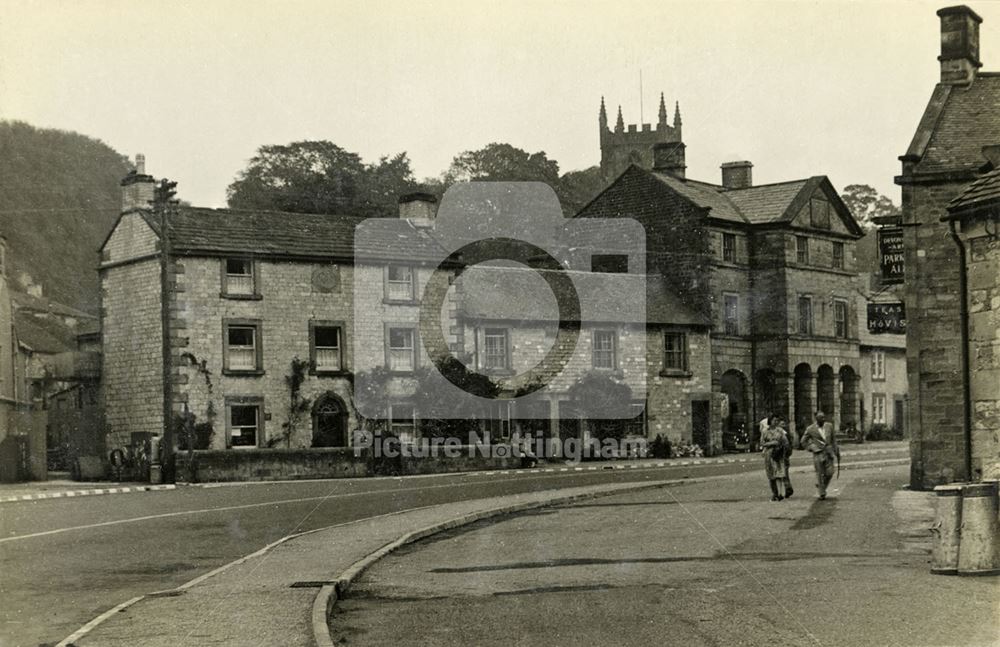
(288, 302)
(131, 364)
(984, 347)
(293, 464)
(933, 337)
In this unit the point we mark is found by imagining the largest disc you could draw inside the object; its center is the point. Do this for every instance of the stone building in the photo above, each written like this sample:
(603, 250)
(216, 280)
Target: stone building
(250, 300)
(664, 356)
(634, 144)
(883, 389)
(952, 369)
(771, 266)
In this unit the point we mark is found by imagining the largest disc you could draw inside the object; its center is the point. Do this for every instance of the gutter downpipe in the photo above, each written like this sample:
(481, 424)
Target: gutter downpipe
(963, 314)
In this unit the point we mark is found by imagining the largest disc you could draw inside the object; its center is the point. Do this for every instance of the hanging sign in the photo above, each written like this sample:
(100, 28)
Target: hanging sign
(890, 254)
(886, 318)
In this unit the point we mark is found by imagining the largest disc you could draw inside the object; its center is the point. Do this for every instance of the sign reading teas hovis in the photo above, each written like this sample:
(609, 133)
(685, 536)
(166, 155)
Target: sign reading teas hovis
(886, 318)
(890, 254)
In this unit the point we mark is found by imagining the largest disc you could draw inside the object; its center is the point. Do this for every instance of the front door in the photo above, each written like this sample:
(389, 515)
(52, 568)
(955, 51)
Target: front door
(329, 423)
(700, 423)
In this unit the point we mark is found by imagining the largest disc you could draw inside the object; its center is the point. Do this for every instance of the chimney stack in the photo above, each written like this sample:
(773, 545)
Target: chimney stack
(959, 44)
(669, 158)
(737, 175)
(417, 206)
(137, 187)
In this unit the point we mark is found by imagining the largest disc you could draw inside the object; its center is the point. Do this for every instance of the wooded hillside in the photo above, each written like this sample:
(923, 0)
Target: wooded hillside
(59, 197)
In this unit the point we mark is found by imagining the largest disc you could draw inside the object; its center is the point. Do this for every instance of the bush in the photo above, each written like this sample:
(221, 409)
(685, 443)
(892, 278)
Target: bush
(660, 447)
(884, 432)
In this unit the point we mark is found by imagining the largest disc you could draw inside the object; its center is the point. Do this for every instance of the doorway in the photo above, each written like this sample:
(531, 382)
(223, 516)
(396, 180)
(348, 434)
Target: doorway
(329, 422)
(700, 423)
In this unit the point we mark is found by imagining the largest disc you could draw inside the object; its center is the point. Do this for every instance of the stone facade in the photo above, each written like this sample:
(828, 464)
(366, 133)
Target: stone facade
(132, 334)
(747, 257)
(945, 155)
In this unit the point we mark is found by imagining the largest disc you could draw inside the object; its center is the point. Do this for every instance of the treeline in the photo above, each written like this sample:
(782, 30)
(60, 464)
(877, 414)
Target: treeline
(321, 177)
(59, 197)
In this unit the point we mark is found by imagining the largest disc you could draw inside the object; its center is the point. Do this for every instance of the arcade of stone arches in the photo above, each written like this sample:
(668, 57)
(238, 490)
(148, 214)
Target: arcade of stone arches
(796, 396)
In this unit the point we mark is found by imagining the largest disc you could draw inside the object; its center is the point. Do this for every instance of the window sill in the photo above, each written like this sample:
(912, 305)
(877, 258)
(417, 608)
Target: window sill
(240, 297)
(320, 372)
(401, 302)
(499, 372)
(675, 372)
(234, 373)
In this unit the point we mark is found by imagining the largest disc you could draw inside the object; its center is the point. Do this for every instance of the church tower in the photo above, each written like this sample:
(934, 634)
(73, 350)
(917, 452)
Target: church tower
(636, 143)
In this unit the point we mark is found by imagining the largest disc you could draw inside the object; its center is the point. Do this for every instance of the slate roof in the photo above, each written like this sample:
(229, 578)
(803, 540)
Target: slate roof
(770, 202)
(25, 301)
(272, 233)
(755, 205)
(955, 125)
(43, 334)
(498, 292)
(704, 195)
(984, 191)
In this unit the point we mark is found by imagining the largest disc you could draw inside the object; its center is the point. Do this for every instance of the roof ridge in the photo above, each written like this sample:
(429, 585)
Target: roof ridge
(760, 186)
(267, 211)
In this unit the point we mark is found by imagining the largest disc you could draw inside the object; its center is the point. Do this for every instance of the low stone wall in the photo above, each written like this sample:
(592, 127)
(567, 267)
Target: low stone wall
(214, 465)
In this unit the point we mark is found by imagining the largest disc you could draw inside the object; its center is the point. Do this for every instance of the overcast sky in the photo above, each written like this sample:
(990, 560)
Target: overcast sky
(798, 88)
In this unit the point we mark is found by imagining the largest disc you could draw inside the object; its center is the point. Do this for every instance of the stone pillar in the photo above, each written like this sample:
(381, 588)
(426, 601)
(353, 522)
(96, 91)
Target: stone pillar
(804, 402)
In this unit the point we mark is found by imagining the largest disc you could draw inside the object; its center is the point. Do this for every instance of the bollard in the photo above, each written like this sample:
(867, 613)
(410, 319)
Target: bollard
(979, 553)
(944, 552)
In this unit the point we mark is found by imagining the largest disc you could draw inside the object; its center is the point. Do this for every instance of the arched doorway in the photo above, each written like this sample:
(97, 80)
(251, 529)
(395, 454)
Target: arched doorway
(850, 414)
(803, 397)
(329, 418)
(734, 428)
(826, 391)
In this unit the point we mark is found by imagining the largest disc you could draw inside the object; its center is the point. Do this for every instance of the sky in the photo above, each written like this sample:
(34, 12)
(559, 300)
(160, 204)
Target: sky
(798, 88)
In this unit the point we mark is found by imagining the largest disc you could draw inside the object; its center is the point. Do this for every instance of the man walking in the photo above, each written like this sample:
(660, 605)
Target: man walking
(820, 440)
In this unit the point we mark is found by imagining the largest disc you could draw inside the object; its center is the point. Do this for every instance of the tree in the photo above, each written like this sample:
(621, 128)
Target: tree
(498, 162)
(866, 204)
(321, 177)
(580, 187)
(435, 394)
(598, 397)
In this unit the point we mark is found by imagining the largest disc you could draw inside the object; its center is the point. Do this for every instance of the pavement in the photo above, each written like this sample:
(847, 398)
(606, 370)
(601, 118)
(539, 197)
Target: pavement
(57, 488)
(275, 596)
(64, 488)
(710, 563)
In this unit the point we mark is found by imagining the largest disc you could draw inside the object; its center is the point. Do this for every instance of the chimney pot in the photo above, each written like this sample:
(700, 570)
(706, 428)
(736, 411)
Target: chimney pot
(669, 158)
(959, 44)
(138, 189)
(737, 175)
(417, 206)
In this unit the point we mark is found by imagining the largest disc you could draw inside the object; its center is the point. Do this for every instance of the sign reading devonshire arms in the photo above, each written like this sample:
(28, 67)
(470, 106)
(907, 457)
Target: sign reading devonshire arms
(890, 254)
(886, 318)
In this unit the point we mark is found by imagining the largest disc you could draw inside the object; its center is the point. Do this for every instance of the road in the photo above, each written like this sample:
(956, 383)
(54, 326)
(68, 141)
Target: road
(703, 565)
(65, 561)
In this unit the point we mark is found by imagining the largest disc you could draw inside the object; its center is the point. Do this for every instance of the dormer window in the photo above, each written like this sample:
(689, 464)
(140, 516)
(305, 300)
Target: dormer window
(239, 278)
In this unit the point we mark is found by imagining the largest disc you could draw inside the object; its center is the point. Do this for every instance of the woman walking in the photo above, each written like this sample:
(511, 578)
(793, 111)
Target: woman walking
(774, 446)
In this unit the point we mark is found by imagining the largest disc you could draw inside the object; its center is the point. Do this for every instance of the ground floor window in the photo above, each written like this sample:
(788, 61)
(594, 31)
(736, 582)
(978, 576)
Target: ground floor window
(243, 423)
(403, 422)
(878, 408)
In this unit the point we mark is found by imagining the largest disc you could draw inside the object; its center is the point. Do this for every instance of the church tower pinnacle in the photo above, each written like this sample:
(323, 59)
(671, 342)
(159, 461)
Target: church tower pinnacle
(662, 121)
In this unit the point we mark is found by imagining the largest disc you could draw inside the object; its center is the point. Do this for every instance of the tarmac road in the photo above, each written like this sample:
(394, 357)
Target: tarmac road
(64, 561)
(698, 565)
